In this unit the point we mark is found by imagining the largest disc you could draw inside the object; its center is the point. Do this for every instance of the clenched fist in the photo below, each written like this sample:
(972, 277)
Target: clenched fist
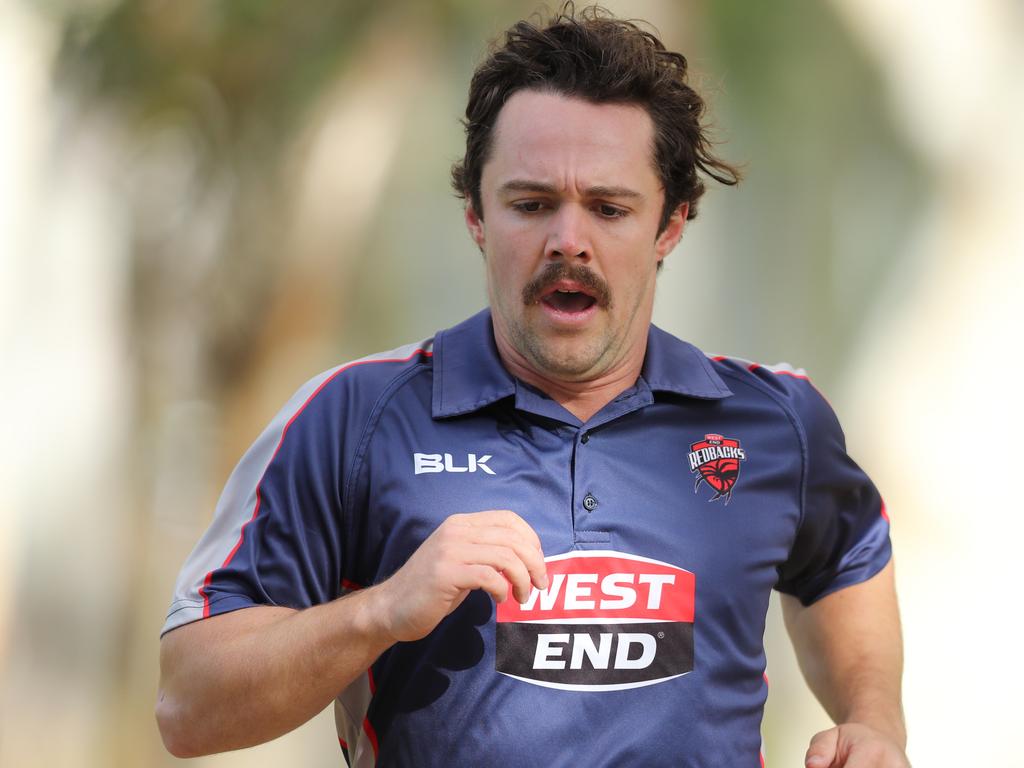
(482, 550)
(853, 745)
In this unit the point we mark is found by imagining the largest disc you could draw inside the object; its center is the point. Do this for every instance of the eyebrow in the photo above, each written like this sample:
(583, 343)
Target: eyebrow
(525, 185)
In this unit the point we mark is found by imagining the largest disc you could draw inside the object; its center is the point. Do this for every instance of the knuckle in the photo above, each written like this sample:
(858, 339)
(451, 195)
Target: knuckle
(453, 521)
(449, 534)
(509, 557)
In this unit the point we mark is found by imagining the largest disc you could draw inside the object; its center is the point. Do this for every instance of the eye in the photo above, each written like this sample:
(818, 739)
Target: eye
(610, 211)
(528, 206)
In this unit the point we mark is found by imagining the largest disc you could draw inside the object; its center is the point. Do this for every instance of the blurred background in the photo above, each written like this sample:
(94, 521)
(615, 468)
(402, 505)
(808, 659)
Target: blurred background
(204, 204)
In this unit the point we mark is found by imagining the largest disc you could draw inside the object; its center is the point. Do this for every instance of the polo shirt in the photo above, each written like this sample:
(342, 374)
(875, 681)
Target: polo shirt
(667, 519)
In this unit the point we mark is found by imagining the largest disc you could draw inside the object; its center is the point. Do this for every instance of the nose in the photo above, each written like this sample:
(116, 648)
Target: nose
(568, 237)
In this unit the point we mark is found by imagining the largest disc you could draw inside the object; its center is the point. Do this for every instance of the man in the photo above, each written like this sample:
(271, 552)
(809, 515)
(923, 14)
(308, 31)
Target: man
(548, 535)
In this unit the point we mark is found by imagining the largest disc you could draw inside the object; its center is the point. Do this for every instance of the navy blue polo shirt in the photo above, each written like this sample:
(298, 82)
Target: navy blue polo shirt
(666, 519)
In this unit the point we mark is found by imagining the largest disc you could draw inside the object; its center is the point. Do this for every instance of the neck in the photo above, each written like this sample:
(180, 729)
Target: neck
(581, 397)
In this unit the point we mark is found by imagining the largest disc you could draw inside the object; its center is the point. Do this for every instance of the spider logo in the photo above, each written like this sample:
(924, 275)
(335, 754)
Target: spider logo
(716, 461)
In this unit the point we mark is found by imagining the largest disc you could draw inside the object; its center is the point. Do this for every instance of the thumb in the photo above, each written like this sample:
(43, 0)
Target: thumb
(822, 752)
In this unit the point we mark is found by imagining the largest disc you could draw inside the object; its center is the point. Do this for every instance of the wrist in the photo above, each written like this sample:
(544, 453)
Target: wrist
(888, 722)
(371, 618)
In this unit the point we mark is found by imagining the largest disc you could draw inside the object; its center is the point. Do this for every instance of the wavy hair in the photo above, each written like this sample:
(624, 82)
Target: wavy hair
(593, 56)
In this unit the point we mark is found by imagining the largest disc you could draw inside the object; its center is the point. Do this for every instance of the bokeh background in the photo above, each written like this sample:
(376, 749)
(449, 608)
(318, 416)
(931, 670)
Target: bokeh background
(202, 204)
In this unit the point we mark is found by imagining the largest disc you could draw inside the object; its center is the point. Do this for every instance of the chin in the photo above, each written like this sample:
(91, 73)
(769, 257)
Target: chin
(568, 362)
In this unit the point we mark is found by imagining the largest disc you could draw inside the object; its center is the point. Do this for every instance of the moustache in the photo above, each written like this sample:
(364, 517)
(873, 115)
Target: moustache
(559, 270)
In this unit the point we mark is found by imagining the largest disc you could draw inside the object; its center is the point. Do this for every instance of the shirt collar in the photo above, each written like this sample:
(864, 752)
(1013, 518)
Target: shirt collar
(673, 365)
(469, 374)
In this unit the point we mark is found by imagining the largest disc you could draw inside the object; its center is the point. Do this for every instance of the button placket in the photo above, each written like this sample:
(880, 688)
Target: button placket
(587, 479)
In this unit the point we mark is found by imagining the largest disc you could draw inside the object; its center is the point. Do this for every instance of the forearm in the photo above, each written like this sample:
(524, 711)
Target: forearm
(850, 650)
(246, 677)
(249, 676)
(864, 690)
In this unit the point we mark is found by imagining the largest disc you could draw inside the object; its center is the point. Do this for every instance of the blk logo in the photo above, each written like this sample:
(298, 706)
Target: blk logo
(428, 463)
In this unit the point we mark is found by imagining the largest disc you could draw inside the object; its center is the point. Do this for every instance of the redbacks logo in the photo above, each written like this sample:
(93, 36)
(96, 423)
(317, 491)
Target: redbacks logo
(716, 460)
(607, 621)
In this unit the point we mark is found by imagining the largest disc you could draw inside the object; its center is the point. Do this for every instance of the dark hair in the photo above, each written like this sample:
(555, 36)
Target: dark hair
(593, 56)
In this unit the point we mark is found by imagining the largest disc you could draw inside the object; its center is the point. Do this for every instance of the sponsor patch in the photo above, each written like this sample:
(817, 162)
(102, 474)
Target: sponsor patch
(716, 461)
(607, 621)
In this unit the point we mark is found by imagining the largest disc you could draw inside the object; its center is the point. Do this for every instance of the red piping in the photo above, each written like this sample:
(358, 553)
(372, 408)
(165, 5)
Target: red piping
(372, 735)
(367, 727)
(754, 366)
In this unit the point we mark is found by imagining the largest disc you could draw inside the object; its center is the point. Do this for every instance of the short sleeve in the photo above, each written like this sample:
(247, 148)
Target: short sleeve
(275, 537)
(843, 534)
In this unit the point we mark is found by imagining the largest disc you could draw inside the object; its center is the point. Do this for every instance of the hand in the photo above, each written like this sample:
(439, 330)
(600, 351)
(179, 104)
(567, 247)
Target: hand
(853, 745)
(481, 550)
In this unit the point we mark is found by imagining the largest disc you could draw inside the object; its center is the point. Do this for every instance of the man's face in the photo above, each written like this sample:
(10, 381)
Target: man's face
(572, 203)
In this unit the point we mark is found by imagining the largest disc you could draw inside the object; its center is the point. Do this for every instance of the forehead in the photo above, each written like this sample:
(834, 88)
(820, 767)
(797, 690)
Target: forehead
(560, 139)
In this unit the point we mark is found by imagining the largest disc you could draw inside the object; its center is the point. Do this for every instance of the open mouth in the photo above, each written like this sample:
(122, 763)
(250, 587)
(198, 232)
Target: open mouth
(568, 301)
(568, 293)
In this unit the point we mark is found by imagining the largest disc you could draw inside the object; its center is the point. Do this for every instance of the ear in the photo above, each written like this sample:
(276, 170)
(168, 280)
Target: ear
(669, 236)
(475, 225)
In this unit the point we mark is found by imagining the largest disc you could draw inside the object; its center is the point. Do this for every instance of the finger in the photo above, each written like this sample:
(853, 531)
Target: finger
(504, 518)
(872, 755)
(822, 751)
(531, 557)
(510, 530)
(475, 576)
(501, 559)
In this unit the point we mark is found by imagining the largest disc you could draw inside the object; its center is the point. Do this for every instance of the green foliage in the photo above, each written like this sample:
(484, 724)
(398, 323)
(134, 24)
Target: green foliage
(241, 70)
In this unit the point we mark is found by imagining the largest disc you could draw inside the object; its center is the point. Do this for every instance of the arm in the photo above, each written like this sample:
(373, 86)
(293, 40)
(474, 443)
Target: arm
(849, 647)
(246, 677)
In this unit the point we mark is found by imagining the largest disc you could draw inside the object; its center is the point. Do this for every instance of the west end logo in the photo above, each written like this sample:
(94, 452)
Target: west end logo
(716, 461)
(607, 621)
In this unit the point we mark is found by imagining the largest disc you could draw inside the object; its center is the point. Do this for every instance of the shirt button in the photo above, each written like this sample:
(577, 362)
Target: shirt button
(586, 438)
(589, 503)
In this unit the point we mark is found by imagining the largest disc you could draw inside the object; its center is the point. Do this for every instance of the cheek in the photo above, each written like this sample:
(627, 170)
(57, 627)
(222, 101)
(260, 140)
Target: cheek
(503, 278)
(508, 254)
